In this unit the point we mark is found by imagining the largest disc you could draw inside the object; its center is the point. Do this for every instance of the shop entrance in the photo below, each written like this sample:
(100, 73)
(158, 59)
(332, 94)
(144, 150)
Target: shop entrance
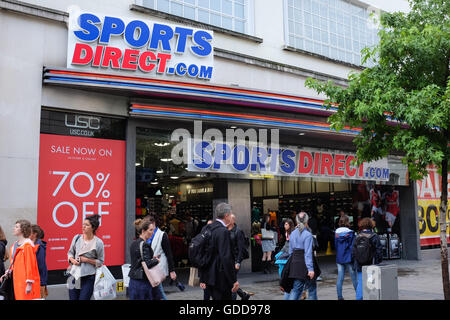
(180, 200)
(325, 202)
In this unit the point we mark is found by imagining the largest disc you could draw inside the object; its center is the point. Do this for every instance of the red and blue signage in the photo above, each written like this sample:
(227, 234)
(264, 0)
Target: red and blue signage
(115, 43)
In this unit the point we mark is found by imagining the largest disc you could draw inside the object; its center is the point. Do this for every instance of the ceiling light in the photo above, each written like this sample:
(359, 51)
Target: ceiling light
(233, 127)
(174, 177)
(137, 164)
(166, 159)
(154, 182)
(162, 144)
(301, 134)
(160, 171)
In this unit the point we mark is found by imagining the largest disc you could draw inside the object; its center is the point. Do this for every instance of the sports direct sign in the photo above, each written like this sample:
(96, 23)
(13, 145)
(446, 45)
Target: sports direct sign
(137, 45)
(206, 156)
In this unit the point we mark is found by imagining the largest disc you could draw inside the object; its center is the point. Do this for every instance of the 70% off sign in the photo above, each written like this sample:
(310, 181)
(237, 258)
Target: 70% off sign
(100, 177)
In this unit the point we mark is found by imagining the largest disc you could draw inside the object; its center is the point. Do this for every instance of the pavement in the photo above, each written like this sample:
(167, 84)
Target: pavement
(417, 280)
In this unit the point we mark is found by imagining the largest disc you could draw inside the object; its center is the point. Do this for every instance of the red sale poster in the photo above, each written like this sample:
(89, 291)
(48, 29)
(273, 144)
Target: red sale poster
(79, 177)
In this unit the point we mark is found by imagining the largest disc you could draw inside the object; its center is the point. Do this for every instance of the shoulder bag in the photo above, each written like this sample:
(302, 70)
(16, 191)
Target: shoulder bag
(155, 275)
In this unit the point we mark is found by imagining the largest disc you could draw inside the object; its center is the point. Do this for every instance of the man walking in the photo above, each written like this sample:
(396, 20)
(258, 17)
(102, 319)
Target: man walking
(302, 265)
(220, 276)
(238, 250)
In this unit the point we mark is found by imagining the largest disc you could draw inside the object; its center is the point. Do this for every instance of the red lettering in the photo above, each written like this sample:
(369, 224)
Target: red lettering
(326, 162)
(130, 58)
(339, 165)
(302, 169)
(80, 50)
(97, 56)
(348, 170)
(163, 58)
(143, 61)
(361, 170)
(112, 55)
(316, 162)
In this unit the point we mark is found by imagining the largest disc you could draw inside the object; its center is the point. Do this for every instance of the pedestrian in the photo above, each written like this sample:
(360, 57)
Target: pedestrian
(201, 273)
(343, 241)
(3, 252)
(238, 249)
(220, 276)
(160, 244)
(366, 250)
(37, 236)
(268, 243)
(24, 268)
(86, 254)
(303, 269)
(283, 255)
(139, 287)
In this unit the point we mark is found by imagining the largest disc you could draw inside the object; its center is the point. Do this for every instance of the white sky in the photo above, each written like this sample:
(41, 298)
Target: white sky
(390, 5)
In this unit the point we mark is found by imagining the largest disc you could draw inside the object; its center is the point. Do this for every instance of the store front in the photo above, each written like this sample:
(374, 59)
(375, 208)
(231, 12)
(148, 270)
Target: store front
(149, 143)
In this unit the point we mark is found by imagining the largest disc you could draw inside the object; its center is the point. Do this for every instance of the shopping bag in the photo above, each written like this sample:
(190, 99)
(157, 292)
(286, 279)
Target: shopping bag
(194, 280)
(6, 288)
(105, 284)
(125, 271)
(267, 234)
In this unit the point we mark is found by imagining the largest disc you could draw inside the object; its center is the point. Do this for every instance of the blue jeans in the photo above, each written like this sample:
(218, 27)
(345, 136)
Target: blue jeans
(341, 274)
(359, 288)
(86, 288)
(161, 290)
(142, 290)
(300, 285)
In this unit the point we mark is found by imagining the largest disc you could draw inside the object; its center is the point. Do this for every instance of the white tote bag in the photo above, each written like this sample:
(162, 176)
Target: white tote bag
(267, 234)
(105, 284)
(125, 271)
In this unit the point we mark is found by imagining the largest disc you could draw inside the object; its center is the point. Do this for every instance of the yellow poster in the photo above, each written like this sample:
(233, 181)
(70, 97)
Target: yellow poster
(428, 195)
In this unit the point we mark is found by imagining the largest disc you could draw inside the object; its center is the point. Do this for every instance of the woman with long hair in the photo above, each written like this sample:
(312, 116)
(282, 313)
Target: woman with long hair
(86, 254)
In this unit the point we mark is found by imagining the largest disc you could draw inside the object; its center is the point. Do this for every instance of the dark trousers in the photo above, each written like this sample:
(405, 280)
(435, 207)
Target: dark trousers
(86, 288)
(142, 290)
(218, 293)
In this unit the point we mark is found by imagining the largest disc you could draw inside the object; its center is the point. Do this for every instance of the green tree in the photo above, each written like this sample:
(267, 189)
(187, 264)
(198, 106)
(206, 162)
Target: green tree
(402, 103)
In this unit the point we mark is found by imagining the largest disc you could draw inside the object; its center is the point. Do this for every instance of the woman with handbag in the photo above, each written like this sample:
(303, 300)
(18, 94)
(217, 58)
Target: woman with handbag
(161, 248)
(140, 287)
(24, 268)
(269, 242)
(86, 254)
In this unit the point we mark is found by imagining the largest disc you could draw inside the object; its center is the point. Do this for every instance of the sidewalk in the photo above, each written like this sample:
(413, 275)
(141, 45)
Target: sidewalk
(417, 280)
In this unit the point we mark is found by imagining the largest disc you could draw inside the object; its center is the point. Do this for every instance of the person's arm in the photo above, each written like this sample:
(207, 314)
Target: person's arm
(309, 252)
(72, 251)
(240, 239)
(226, 256)
(147, 253)
(165, 244)
(378, 250)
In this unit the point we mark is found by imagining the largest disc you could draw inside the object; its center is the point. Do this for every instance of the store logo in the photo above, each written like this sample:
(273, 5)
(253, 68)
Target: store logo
(234, 149)
(82, 122)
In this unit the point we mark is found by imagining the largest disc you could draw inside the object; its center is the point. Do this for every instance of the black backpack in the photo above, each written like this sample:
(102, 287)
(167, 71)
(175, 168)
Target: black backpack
(364, 252)
(200, 249)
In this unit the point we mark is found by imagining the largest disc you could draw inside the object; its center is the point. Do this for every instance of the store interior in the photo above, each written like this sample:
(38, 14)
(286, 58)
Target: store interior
(183, 201)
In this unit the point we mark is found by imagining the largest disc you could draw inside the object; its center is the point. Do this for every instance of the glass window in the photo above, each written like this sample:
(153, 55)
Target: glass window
(339, 29)
(227, 14)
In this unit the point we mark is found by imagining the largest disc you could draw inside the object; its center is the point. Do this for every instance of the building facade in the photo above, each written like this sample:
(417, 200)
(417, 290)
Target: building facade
(97, 99)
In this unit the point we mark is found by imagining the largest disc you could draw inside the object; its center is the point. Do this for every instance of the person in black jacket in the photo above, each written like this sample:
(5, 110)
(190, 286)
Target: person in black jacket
(220, 276)
(37, 236)
(139, 287)
(366, 225)
(237, 238)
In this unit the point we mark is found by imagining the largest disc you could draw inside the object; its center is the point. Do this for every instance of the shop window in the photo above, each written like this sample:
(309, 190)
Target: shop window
(335, 29)
(228, 14)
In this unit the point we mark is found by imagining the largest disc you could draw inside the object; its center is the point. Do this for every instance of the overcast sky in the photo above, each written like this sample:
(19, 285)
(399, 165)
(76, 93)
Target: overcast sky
(390, 5)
